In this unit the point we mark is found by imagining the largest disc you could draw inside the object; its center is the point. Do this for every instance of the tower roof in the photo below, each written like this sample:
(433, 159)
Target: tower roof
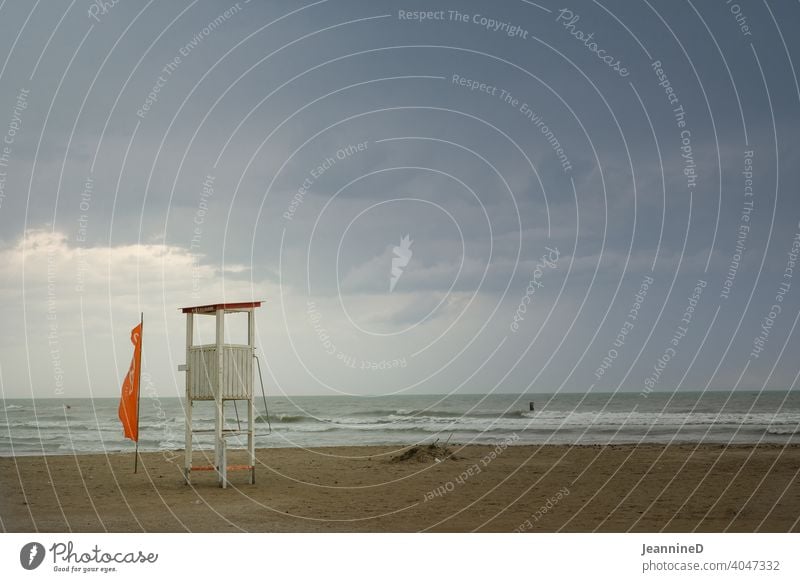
(214, 307)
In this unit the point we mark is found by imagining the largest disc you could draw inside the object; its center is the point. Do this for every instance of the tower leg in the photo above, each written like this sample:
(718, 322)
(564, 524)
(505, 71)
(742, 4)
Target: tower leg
(219, 385)
(219, 449)
(224, 464)
(251, 445)
(251, 442)
(187, 458)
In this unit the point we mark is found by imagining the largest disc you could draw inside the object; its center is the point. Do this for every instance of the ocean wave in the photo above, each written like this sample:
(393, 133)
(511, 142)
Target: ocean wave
(18, 439)
(306, 428)
(93, 426)
(548, 417)
(521, 420)
(43, 424)
(416, 412)
(284, 418)
(784, 431)
(449, 414)
(525, 423)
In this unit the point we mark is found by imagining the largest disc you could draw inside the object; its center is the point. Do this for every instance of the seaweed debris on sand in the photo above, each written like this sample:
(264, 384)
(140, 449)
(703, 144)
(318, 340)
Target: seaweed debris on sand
(426, 453)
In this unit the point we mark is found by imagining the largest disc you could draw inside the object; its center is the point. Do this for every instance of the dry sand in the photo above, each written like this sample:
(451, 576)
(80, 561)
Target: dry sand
(613, 488)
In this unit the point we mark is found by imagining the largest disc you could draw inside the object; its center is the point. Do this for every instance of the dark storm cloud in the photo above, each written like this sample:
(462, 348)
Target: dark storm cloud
(225, 137)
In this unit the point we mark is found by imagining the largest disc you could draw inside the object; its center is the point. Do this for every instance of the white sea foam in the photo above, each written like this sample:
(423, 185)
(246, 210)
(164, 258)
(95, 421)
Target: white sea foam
(93, 426)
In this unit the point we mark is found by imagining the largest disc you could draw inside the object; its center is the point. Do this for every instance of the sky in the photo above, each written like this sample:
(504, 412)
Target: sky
(428, 197)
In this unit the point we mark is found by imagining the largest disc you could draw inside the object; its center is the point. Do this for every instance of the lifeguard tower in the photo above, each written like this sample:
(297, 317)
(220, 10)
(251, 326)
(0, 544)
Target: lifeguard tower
(220, 372)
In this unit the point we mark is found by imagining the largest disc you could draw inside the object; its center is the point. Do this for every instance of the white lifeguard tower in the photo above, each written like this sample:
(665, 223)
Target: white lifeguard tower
(220, 372)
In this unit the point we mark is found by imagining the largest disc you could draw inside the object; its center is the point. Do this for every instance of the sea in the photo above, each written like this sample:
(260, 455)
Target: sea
(90, 425)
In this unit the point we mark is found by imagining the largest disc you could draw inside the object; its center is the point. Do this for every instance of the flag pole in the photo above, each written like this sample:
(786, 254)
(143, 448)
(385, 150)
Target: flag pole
(138, 392)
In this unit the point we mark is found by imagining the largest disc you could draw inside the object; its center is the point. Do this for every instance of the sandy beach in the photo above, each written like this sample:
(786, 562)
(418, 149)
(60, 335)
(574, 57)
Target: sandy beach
(677, 488)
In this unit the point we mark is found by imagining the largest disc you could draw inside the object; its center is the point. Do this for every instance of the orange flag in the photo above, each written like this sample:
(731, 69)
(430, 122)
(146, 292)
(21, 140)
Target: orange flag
(129, 402)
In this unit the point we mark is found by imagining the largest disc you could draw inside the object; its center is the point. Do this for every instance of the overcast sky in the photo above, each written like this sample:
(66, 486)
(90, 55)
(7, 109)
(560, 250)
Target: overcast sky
(596, 196)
